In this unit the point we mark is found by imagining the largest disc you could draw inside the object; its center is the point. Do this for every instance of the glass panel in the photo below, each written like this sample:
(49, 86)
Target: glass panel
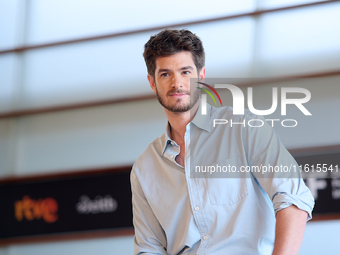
(115, 68)
(268, 4)
(300, 41)
(229, 47)
(87, 138)
(8, 19)
(80, 72)
(7, 63)
(66, 19)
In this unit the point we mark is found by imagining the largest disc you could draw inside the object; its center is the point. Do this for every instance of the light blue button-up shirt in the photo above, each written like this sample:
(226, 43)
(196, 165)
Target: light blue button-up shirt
(177, 211)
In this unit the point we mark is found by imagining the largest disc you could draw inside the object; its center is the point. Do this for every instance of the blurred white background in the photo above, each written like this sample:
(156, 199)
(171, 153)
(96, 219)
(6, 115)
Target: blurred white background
(298, 41)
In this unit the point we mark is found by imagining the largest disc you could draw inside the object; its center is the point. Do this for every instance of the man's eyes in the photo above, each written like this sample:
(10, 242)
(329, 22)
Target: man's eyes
(167, 74)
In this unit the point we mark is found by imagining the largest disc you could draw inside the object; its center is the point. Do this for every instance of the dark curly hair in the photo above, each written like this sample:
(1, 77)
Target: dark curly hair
(169, 42)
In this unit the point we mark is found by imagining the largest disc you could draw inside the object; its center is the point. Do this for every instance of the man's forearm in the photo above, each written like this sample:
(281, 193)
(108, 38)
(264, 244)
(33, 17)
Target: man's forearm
(290, 228)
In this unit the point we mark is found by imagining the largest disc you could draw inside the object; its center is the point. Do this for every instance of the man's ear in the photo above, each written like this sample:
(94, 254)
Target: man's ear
(202, 74)
(152, 83)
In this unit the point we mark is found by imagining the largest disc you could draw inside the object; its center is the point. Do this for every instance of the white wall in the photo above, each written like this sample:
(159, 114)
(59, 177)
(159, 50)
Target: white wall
(321, 238)
(115, 245)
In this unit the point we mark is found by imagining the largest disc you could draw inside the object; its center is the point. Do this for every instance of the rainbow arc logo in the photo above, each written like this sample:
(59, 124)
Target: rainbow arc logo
(209, 93)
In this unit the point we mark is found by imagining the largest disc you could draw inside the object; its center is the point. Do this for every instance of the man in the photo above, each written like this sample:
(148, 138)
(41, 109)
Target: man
(176, 213)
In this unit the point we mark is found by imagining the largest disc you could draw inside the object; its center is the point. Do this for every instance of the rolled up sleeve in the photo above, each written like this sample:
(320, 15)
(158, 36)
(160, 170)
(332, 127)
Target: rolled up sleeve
(283, 188)
(302, 199)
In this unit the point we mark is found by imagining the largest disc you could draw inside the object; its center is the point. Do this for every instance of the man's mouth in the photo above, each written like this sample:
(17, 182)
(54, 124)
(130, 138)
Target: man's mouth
(177, 93)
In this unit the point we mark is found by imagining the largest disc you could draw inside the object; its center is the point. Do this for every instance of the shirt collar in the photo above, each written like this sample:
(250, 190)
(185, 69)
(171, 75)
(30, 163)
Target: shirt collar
(201, 121)
(166, 137)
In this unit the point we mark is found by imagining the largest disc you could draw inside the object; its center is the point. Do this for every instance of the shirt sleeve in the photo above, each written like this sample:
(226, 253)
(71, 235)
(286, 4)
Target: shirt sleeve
(149, 235)
(281, 177)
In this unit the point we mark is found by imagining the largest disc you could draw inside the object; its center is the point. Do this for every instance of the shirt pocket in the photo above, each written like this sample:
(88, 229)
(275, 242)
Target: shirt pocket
(228, 188)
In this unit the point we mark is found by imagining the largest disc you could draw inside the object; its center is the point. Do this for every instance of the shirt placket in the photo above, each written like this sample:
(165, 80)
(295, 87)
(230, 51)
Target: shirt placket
(195, 200)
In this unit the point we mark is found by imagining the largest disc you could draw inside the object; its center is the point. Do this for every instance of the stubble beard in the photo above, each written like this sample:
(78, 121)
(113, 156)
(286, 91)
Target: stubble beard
(179, 108)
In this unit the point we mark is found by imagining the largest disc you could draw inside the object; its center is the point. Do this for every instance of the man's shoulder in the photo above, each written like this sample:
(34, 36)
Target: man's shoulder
(154, 150)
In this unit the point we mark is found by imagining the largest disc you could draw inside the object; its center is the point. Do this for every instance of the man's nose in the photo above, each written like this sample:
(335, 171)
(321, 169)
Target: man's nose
(177, 82)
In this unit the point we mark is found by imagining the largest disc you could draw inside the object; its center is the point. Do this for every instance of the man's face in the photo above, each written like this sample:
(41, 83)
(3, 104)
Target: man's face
(171, 83)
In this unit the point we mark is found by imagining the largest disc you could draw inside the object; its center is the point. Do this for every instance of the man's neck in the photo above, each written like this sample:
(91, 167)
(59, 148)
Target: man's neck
(179, 121)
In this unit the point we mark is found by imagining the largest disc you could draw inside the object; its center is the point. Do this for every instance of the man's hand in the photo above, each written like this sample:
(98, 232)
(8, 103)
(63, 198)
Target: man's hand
(290, 228)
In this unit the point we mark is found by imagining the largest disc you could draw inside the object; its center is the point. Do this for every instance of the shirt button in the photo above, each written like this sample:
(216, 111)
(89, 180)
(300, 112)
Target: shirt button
(197, 208)
(172, 156)
(205, 237)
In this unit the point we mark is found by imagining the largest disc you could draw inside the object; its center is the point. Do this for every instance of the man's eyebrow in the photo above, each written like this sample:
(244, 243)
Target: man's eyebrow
(163, 70)
(181, 69)
(186, 68)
